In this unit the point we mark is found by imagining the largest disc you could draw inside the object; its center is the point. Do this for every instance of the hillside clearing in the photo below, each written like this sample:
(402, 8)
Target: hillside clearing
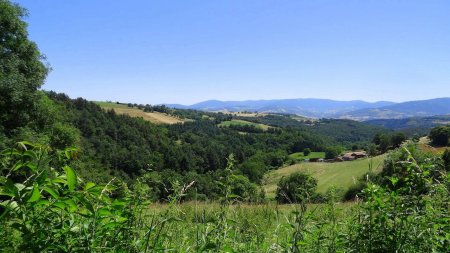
(341, 174)
(154, 117)
(300, 156)
(239, 122)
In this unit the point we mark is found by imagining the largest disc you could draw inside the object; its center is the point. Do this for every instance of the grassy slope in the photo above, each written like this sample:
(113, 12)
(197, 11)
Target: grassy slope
(154, 117)
(341, 174)
(300, 156)
(243, 122)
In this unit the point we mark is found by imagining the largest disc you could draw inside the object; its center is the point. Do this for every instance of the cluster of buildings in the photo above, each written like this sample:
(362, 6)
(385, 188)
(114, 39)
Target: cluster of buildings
(350, 156)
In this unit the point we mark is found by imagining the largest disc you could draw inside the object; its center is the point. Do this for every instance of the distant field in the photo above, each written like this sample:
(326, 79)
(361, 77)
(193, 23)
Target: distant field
(110, 104)
(245, 114)
(340, 174)
(299, 156)
(154, 117)
(243, 122)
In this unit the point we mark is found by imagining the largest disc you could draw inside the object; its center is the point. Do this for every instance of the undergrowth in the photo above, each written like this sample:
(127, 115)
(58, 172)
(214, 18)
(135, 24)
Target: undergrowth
(46, 207)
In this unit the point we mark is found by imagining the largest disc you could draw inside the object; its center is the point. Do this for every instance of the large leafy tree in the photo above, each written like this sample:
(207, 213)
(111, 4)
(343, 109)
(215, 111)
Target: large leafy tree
(440, 135)
(22, 70)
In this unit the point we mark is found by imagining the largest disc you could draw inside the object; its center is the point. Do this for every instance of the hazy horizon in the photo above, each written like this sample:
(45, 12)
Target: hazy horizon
(185, 52)
(245, 100)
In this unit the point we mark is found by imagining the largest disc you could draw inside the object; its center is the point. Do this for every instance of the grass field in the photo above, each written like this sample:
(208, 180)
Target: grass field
(300, 157)
(245, 114)
(341, 175)
(154, 117)
(243, 122)
(110, 105)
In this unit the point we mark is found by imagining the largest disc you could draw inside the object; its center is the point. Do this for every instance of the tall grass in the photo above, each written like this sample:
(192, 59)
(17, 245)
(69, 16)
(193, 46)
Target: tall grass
(45, 207)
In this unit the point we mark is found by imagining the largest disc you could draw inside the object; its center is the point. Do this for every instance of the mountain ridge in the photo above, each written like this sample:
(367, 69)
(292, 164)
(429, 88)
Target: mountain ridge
(309, 107)
(327, 108)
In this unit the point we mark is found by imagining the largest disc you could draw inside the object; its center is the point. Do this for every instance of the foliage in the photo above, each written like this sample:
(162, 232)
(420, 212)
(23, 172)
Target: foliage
(408, 175)
(21, 69)
(402, 219)
(397, 139)
(440, 135)
(297, 187)
(306, 151)
(332, 152)
(48, 208)
(446, 159)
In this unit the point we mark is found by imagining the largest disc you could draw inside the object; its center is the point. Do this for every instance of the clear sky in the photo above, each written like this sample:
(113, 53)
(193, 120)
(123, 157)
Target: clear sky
(187, 51)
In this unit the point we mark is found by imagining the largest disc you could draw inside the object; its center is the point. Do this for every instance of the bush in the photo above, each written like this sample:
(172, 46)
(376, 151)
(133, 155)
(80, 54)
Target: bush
(52, 210)
(332, 152)
(440, 135)
(297, 187)
(306, 151)
(446, 159)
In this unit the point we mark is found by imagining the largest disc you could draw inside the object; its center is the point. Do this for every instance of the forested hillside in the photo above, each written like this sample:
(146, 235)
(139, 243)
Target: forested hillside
(415, 126)
(119, 145)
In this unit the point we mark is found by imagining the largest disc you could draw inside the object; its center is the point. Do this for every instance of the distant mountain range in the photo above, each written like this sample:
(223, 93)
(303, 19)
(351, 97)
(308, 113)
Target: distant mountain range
(412, 126)
(325, 108)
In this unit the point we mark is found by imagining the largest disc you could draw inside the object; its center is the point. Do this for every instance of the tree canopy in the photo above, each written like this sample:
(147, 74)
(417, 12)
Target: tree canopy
(22, 71)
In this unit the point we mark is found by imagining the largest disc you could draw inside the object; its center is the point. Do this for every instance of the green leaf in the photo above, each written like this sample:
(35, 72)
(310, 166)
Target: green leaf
(35, 194)
(110, 225)
(30, 154)
(71, 204)
(60, 204)
(9, 189)
(86, 203)
(89, 185)
(42, 202)
(104, 212)
(71, 178)
(18, 165)
(227, 249)
(51, 192)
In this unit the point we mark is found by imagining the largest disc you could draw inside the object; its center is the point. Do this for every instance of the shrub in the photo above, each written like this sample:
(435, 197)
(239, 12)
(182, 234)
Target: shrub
(297, 187)
(440, 135)
(50, 209)
(332, 152)
(306, 151)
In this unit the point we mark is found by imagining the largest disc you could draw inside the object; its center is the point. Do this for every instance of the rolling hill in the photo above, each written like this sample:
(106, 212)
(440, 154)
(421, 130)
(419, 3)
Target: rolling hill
(325, 108)
(420, 108)
(315, 108)
(412, 126)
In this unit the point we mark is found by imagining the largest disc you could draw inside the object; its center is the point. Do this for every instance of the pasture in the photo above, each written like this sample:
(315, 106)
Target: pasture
(299, 156)
(154, 117)
(340, 174)
(243, 123)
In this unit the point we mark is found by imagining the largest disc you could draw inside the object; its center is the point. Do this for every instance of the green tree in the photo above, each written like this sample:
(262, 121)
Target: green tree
(295, 188)
(22, 71)
(384, 143)
(332, 152)
(440, 135)
(397, 139)
(306, 151)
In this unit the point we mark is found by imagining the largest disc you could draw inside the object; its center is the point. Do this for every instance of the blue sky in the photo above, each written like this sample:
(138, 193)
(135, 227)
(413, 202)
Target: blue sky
(188, 51)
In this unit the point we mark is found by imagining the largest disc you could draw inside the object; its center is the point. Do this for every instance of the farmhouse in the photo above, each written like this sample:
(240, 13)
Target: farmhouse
(354, 155)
